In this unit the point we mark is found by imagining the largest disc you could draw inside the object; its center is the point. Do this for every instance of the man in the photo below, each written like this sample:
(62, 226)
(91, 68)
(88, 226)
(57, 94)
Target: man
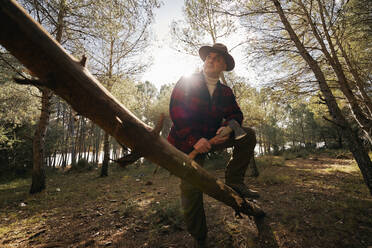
(200, 108)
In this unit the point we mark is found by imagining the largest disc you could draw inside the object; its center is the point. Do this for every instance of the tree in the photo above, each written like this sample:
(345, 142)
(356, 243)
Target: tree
(202, 25)
(18, 113)
(307, 36)
(355, 144)
(38, 171)
(122, 35)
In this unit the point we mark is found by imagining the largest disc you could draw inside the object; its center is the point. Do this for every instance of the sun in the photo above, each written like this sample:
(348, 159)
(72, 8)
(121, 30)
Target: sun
(169, 66)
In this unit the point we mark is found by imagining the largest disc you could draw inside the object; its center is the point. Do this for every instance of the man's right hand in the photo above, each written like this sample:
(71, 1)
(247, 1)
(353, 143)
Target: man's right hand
(203, 145)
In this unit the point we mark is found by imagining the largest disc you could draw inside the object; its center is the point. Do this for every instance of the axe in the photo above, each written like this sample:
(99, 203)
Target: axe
(232, 126)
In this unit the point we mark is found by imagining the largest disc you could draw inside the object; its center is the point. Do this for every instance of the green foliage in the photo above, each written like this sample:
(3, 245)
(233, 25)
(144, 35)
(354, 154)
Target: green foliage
(82, 166)
(55, 133)
(18, 104)
(263, 162)
(161, 106)
(357, 33)
(271, 171)
(19, 109)
(166, 216)
(121, 35)
(16, 153)
(337, 153)
(202, 25)
(296, 153)
(289, 155)
(272, 177)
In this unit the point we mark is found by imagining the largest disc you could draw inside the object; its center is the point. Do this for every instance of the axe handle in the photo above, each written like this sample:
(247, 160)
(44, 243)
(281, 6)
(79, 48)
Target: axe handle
(212, 141)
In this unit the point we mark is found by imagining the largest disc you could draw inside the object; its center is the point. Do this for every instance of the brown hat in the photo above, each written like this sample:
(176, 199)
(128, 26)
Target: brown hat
(221, 49)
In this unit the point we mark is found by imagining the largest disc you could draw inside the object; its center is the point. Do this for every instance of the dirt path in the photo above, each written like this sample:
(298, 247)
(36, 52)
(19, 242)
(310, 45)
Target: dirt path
(312, 203)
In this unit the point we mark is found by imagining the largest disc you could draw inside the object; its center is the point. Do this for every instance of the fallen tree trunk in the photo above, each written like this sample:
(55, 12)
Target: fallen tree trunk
(68, 78)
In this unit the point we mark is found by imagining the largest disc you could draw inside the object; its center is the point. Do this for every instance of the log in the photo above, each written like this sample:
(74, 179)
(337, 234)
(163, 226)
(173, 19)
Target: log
(135, 155)
(68, 78)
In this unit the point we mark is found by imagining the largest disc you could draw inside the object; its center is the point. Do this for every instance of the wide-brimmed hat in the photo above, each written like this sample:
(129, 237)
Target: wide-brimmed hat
(221, 49)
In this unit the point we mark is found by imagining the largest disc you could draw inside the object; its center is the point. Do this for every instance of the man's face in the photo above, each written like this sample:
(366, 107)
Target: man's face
(214, 64)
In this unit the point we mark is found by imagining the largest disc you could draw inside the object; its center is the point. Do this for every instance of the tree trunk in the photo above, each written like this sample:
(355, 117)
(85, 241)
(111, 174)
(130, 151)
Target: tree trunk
(106, 155)
(339, 138)
(72, 138)
(106, 143)
(38, 170)
(354, 143)
(324, 139)
(97, 145)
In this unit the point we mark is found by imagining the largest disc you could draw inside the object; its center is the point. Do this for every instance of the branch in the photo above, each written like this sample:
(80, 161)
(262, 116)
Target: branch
(135, 155)
(83, 61)
(27, 81)
(333, 122)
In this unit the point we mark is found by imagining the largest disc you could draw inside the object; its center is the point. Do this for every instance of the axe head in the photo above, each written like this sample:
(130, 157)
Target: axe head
(238, 130)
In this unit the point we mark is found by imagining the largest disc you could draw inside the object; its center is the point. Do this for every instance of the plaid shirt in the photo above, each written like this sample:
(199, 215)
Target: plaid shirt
(196, 115)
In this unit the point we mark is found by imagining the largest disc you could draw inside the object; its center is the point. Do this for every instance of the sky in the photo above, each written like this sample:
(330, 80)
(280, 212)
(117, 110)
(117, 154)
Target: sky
(168, 64)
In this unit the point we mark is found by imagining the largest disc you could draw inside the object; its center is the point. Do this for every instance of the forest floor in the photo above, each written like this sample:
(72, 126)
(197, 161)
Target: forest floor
(317, 202)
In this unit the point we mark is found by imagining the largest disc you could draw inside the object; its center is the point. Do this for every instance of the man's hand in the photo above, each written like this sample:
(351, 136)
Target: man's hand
(221, 139)
(203, 145)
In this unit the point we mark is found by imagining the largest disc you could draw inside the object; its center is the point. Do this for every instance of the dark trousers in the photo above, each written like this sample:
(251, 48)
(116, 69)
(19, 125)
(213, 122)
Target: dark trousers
(192, 197)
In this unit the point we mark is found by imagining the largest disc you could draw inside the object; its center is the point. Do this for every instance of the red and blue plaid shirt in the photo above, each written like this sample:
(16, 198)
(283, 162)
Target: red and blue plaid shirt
(196, 115)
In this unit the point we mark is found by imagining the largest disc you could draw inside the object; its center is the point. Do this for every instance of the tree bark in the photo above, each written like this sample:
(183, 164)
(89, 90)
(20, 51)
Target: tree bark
(38, 170)
(106, 143)
(354, 143)
(106, 156)
(73, 138)
(36, 49)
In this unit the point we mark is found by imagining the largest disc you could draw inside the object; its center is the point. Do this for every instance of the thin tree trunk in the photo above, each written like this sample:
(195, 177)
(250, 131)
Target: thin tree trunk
(73, 140)
(97, 144)
(106, 156)
(303, 134)
(38, 170)
(55, 159)
(339, 138)
(106, 144)
(38, 177)
(324, 140)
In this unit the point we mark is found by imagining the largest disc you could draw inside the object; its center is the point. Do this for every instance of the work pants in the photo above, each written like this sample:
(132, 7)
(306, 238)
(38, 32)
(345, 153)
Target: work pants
(192, 197)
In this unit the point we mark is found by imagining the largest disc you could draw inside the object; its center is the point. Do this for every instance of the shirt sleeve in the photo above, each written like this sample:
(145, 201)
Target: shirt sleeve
(232, 109)
(181, 115)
